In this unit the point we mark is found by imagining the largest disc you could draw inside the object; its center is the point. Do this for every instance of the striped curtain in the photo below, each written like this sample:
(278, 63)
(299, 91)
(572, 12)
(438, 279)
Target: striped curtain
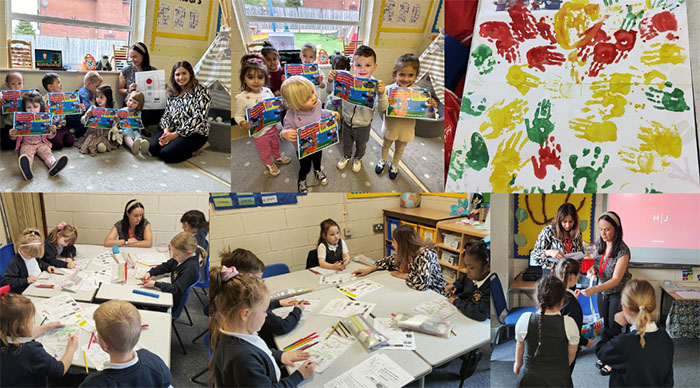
(432, 63)
(215, 65)
(23, 210)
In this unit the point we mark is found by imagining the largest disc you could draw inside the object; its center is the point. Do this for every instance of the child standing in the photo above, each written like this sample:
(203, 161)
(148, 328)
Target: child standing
(357, 119)
(97, 139)
(64, 138)
(25, 267)
(567, 270)
(194, 222)
(23, 360)
(332, 251)
(272, 60)
(240, 357)
(338, 62)
(13, 81)
(644, 356)
(118, 325)
(59, 243)
(399, 130)
(28, 146)
(254, 77)
(471, 293)
(303, 108)
(307, 54)
(183, 267)
(132, 136)
(547, 340)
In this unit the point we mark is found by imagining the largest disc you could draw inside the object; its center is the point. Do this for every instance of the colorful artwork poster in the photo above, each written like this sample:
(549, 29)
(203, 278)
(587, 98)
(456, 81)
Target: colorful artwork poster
(193, 24)
(64, 104)
(358, 91)
(306, 70)
(102, 118)
(264, 113)
(129, 120)
(504, 5)
(410, 103)
(593, 97)
(32, 124)
(179, 18)
(389, 9)
(317, 136)
(164, 15)
(13, 100)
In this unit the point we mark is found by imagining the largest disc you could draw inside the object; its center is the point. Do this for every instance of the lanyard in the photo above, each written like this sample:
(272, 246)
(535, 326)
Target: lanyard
(567, 242)
(602, 268)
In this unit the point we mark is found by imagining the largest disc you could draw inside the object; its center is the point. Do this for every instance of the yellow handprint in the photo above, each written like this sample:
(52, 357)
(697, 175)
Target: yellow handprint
(594, 131)
(521, 80)
(503, 118)
(506, 163)
(659, 144)
(666, 53)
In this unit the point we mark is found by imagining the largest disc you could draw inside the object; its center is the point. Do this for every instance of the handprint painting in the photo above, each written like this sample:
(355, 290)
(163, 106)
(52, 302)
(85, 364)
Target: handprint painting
(577, 96)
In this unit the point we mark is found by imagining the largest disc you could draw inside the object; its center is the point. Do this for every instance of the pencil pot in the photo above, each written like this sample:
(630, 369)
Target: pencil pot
(365, 333)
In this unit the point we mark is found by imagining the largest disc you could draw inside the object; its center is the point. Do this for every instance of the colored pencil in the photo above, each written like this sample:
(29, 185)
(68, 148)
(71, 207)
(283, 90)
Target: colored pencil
(92, 335)
(453, 333)
(316, 272)
(297, 341)
(44, 320)
(85, 357)
(304, 342)
(334, 327)
(350, 294)
(142, 263)
(345, 329)
(145, 325)
(44, 286)
(308, 346)
(58, 273)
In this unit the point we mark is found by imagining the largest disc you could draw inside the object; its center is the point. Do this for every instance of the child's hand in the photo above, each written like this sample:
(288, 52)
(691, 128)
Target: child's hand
(451, 289)
(590, 343)
(70, 265)
(287, 302)
(245, 125)
(381, 86)
(82, 107)
(147, 276)
(14, 132)
(291, 356)
(73, 342)
(307, 369)
(2, 102)
(338, 266)
(149, 283)
(52, 269)
(452, 299)
(52, 129)
(620, 318)
(277, 93)
(47, 327)
(289, 134)
(391, 100)
(361, 272)
(331, 76)
(31, 279)
(320, 81)
(132, 87)
(299, 305)
(432, 102)
(337, 116)
(88, 113)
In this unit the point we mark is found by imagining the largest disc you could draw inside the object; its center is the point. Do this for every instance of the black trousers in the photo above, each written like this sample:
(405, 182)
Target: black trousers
(5, 142)
(178, 150)
(608, 306)
(305, 164)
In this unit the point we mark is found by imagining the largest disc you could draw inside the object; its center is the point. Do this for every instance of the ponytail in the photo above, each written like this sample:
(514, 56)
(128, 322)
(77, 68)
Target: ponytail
(639, 295)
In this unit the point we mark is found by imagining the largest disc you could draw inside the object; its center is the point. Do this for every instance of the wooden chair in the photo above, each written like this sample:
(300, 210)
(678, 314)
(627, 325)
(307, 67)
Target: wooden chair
(19, 54)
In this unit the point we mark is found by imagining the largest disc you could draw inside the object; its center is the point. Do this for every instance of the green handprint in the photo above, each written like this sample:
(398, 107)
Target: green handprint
(652, 191)
(478, 154)
(631, 19)
(457, 165)
(469, 108)
(674, 101)
(542, 126)
(609, 3)
(483, 59)
(669, 5)
(562, 188)
(589, 173)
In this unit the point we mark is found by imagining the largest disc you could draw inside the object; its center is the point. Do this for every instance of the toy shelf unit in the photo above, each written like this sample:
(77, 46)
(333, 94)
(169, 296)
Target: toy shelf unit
(451, 237)
(423, 220)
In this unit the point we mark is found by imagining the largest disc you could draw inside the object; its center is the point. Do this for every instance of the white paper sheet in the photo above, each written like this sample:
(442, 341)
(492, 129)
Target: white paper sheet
(344, 308)
(440, 308)
(359, 288)
(336, 278)
(324, 271)
(689, 294)
(326, 351)
(63, 308)
(152, 85)
(56, 341)
(283, 312)
(376, 371)
(398, 338)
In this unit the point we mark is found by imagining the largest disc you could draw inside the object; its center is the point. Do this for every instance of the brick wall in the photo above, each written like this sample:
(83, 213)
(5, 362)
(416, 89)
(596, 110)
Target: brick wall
(109, 11)
(337, 4)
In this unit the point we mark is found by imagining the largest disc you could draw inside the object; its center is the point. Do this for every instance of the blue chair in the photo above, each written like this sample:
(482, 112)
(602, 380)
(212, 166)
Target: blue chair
(275, 269)
(499, 302)
(203, 284)
(205, 333)
(7, 252)
(178, 310)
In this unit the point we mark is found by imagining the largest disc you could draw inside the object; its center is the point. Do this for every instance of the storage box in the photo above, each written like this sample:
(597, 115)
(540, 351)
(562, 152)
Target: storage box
(452, 241)
(449, 274)
(414, 226)
(449, 258)
(391, 224)
(427, 233)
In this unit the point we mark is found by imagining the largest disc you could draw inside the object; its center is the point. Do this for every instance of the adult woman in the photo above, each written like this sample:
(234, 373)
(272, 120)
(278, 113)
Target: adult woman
(612, 258)
(133, 230)
(414, 261)
(560, 237)
(184, 124)
(140, 61)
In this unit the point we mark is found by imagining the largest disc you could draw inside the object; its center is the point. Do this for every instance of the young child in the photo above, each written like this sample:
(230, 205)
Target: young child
(132, 137)
(546, 339)
(59, 243)
(28, 146)
(399, 131)
(88, 92)
(64, 137)
(240, 358)
(307, 54)
(338, 62)
(272, 60)
(567, 270)
(23, 360)
(332, 251)
(471, 293)
(183, 267)
(303, 108)
(118, 325)
(25, 267)
(194, 222)
(254, 77)
(97, 139)
(247, 263)
(13, 81)
(644, 356)
(357, 120)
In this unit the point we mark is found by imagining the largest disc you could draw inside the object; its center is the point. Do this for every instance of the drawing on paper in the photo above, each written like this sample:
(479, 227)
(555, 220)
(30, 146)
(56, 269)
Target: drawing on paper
(404, 9)
(193, 24)
(389, 9)
(164, 15)
(179, 18)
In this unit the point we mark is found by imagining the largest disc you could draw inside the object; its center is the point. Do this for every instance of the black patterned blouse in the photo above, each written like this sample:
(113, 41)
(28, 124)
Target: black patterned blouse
(187, 114)
(424, 271)
(546, 240)
(609, 268)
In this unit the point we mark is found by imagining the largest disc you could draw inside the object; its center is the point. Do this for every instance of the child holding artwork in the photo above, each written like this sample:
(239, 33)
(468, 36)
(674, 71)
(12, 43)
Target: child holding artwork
(643, 357)
(25, 267)
(23, 360)
(546, 339)
(272, 60)
(13, 81)
(132, 136)
(247, 263)
(59, 250)
(303, 108)
(332, 251)
(471, 293)
(238, 306)
(97, 139)
(307, 54)
(400, 131)
(357, 119)
(413, 259)
(64, 137)
(28, 146)
(338, 62)
(87, 95)
(567, 270)
(183, 267)
(254, 77)
(118, 325)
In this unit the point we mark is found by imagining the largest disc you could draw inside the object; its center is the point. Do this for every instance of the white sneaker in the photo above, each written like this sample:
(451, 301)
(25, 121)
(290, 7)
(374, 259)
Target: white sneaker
(272, 168)
(144, 147)
(342, 163)
(136, 146)
(357, 165)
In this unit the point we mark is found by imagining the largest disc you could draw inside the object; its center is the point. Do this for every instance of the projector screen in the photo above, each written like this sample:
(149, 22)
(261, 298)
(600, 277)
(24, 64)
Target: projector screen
(660, 228)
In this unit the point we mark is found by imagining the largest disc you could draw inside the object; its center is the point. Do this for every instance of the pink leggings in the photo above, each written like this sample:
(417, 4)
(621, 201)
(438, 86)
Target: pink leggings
(42, 150)
(269, 146)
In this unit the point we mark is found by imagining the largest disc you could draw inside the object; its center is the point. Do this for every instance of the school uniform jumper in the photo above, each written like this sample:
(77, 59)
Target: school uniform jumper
(474, 298)
(16, 274)
(332, 253)
(30, 367)
(181, 276)
(295, 119)
(145, 370)
(51, 254)
(573, 309)
(267, 139)
(274, 325)
(609, 302)
(424, 271)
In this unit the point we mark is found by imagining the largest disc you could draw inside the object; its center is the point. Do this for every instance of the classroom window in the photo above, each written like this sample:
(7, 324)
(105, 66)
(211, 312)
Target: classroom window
(75, 27)
(329, 24)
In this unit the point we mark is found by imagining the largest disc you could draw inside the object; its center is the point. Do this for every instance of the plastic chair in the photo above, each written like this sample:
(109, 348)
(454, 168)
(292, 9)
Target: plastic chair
(499, 302)
(7, 252)
(205, 333)
(203, 284)
(178, 310)
(275, 269)
(312, 259)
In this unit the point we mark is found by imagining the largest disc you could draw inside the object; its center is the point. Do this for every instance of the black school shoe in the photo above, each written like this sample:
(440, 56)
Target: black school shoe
(25, 167)
(59, 165)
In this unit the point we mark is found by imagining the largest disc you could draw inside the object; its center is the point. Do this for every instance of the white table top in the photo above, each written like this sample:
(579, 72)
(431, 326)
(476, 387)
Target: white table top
(304, 278)
(33, 290)
(155, 338)
(125, 292)
(408, 360)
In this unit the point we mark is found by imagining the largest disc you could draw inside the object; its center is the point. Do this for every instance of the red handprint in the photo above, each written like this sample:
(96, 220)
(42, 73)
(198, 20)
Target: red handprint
(651, 27)
(523, 23)
(547, 157)
(499, 32)
(539, 56)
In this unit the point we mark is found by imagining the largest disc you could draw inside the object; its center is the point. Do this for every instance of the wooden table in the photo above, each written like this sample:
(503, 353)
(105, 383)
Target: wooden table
(523, 287)
(419, 215)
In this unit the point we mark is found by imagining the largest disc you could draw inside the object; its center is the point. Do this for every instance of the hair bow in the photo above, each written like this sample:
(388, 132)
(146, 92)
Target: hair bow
(253, 60)
(228, 273)
(61, 225)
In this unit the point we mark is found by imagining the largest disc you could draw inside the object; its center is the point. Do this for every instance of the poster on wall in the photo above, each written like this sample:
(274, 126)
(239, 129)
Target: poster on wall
(595, 96)
(404, 16)
(179, 18)
(193, 24)
(164, 15)
(415, 13)
(389, 9)
(404, 7)
(187, 20)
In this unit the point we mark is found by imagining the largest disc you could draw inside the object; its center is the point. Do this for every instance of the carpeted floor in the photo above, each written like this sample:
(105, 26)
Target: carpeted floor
(183, 367)
(448, 376)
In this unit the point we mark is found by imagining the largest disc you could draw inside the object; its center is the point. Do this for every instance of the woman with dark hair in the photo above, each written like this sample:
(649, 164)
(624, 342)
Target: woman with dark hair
(185, 128)
(133, 230)
(560, 237)
(140, 61)
(610, 266)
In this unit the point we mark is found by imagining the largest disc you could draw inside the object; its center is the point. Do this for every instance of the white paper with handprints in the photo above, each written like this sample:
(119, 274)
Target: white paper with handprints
(441, 308)
(359, 288)
(374, 372)
(403, 339)
(309, 308)
(326, 351)
(344, 308)
(337, 278)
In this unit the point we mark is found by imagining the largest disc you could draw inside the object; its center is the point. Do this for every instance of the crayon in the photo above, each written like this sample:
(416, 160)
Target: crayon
(85, 357)
(44, 286)
(332, 331)
(316, 272)
(308, 346)
(44, 320)
(306, 341)
(92, 335)
(297, 341)
(453, 333)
